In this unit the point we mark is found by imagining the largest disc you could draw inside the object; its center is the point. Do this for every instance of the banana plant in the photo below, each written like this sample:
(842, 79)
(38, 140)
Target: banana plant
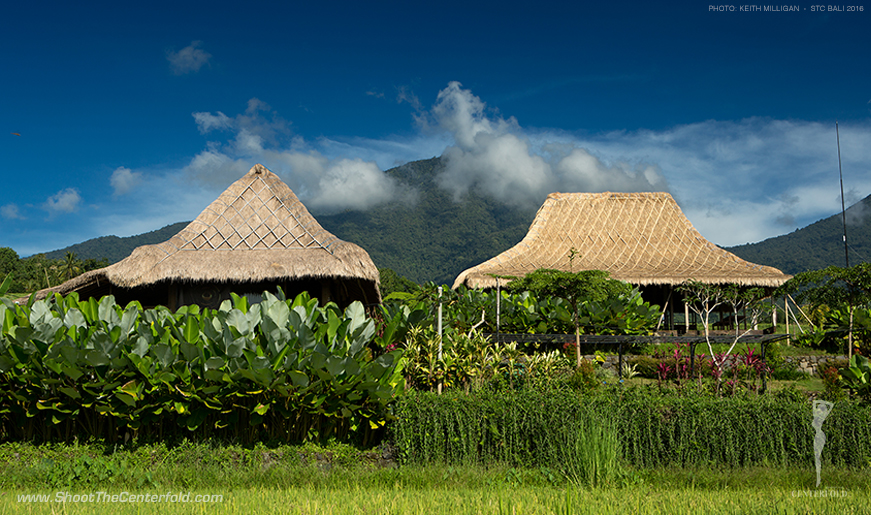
(857, 376)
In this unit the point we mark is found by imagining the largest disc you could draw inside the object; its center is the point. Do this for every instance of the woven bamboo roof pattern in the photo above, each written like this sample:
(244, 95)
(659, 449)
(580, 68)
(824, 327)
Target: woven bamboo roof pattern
(256, 230)
(640, 238)
(258, 211)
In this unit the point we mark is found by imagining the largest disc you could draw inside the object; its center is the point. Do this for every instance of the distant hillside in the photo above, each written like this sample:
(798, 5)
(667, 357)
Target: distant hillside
(114, 248)
(816, 246)
(436, 238)
(433, 240)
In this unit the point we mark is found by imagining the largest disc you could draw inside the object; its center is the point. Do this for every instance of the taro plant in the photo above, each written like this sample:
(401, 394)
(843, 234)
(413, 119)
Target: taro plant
(5, 284)
(285, 369)
(857, 377)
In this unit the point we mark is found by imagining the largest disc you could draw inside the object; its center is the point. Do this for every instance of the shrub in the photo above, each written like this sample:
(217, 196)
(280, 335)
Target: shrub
(646, 366)
(832, 382)
(530, 428)
(584, 378)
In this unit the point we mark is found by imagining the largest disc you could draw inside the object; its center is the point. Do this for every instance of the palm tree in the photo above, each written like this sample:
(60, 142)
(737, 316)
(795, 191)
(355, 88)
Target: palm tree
(70, 266)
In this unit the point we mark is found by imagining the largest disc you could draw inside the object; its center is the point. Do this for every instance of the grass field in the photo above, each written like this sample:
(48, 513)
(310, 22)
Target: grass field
(338, 479)
(354, 498)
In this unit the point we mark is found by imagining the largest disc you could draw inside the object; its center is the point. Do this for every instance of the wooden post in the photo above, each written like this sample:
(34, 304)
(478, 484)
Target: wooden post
(686, 316)
(172, 298)
(786, 311)
(325, 291)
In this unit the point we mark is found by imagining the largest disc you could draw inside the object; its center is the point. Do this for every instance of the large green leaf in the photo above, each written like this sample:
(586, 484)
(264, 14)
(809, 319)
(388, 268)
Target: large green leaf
(164, 355)
(96, 358)
(75, 318)
(239, 321)
(298, 378)
(7, 282)
(107, 311)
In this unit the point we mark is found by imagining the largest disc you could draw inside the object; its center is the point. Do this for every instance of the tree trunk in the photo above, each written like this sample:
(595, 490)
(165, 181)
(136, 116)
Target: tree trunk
(850, 335)
(578, 344)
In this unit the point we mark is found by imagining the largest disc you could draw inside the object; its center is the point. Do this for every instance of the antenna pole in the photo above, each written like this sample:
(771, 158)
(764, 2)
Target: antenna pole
(843, 210)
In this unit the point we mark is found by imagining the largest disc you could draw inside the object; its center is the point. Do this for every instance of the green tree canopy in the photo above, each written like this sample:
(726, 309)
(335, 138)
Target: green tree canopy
(835, 287)
(574, 288)
(8, 261)
(392, 282)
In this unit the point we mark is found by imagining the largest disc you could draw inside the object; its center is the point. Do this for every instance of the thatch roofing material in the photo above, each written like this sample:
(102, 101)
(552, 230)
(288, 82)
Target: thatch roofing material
(640, 238)
(256, 230)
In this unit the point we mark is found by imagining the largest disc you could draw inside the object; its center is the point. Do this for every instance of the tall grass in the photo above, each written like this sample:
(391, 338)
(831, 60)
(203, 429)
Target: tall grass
(588, 453)
(644, 427)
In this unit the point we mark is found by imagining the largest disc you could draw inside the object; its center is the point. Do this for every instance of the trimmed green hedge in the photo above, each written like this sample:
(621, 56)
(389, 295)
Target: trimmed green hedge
(652, 429)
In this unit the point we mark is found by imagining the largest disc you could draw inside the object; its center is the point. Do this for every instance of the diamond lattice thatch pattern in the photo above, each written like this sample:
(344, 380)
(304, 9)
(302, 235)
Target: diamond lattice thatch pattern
(642, 238)
(255, 215)
(256, 230)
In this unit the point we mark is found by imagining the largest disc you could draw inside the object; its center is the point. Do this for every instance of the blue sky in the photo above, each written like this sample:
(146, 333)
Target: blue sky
(120, 119)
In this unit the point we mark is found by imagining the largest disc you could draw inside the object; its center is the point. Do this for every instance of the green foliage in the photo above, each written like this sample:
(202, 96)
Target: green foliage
(8, 261)
(37, 272)
(526, 312)
(279, 369)
(832, 286)
(5, 284)
(832, 384)
(857, 376)
(584, 377)
(846, 292)
(645, 366)
(587, 285)
(468, 361)
(653, 429)
(391, 282)
(522, 428)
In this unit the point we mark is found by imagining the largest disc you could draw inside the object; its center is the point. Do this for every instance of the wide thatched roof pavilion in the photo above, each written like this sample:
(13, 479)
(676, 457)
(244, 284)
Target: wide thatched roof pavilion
(641, 238)
(255, 236)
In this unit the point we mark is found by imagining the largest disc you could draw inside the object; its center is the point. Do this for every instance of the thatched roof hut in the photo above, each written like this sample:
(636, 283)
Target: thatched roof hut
(640, 238)
(256, 235)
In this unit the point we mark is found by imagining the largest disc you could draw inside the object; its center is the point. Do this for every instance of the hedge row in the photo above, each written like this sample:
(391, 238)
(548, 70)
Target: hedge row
(528, 428)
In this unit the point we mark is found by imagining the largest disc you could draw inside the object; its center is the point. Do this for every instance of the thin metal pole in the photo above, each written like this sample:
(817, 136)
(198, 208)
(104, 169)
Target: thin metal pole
(440, 335)
(498, 306)
(843, 209)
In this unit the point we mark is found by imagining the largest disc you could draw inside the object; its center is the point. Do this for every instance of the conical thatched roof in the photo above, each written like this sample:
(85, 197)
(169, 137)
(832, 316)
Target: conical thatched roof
(257, 230)
(640, 238)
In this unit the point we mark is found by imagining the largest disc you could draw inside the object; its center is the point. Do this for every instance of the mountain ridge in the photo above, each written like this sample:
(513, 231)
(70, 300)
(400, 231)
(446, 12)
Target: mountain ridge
(437, 237)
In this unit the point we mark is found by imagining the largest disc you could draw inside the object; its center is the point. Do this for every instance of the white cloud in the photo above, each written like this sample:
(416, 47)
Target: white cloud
(495, 156)
(324, 184)
(64, 201)
(737, 181)
(11, 212)
(189, 59)
(123, 180)
(207, 122)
